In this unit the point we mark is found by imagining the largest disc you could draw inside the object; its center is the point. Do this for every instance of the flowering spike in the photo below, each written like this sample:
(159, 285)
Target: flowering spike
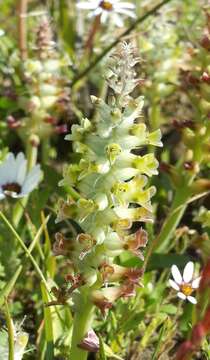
(46, 95)
(110, 184)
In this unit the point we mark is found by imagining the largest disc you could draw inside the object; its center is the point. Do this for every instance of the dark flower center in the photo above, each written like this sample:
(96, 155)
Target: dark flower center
(11, 188)
(106, 5)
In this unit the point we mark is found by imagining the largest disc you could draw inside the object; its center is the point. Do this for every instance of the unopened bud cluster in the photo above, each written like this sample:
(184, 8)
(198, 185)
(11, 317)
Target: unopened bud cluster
(46, 95)
(196, 83)
(109, 189)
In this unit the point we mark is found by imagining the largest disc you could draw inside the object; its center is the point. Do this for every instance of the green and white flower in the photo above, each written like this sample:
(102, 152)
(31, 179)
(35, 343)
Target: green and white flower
(15, 182)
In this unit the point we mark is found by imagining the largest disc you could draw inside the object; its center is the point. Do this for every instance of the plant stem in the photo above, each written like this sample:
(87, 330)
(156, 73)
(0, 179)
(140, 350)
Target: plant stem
(82, 324)
(94, 29)
(10, 332)
(115, 42)
(22, 29)
(32, 152)
(26, 250)
(178, 207)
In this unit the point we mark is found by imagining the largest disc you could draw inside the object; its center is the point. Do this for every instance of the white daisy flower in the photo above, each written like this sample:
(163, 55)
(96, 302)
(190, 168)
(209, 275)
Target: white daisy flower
(185, 285)
(14, 179)
(113, 9)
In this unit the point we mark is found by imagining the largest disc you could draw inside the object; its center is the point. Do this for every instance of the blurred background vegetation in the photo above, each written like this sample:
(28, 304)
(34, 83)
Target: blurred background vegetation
(174, 47)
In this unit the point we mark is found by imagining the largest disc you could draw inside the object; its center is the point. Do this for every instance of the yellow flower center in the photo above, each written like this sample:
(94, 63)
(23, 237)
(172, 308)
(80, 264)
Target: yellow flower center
(106, 5)
(186, 289)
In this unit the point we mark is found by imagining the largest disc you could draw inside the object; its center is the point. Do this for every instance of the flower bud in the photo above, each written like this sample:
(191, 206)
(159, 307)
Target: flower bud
(90, 342)
(61, 129)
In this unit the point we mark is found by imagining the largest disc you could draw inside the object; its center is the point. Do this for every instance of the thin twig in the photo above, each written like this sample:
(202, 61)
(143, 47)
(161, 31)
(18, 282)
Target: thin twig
(115, 42)
(22, 27)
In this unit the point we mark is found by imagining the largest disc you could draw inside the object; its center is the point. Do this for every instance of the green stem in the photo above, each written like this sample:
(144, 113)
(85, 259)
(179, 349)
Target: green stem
(162, 241)
(82, 324)
(31, 152)
(177, 210)
(45, 149)
(26, 250)
(10, 332)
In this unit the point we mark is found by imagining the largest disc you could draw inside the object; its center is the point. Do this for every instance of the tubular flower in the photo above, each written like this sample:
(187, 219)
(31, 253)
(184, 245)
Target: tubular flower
(14, 180)
(90, 342)
(47, 96)
(112, 9)
(109, 183)
(185, 285)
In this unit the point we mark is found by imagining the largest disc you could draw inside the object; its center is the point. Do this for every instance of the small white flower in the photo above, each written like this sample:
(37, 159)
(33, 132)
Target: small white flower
(2, 32)
(14, 179)
(185, 284)
(113, 9)
(20, 342)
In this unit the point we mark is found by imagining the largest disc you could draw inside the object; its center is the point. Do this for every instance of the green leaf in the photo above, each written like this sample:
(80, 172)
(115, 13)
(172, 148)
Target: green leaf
(6, 103)
(163, 261)
(102, 354)
(169, 309)
(109, 353)
(157, 261)
(161, 333)
(4, 293)
(133, 321)
(48, 324)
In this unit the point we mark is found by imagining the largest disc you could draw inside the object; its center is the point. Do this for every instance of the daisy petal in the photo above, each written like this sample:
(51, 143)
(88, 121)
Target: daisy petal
(192, 299)
(125, 5)
(32, 180)
(97, 11)
(188, 272)
(117, 20)
(126, 12)
(104, 17)
(181, 295)
(86, 6)
(2, 196)
(196, 283)
(174, 285)
(176, 274)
